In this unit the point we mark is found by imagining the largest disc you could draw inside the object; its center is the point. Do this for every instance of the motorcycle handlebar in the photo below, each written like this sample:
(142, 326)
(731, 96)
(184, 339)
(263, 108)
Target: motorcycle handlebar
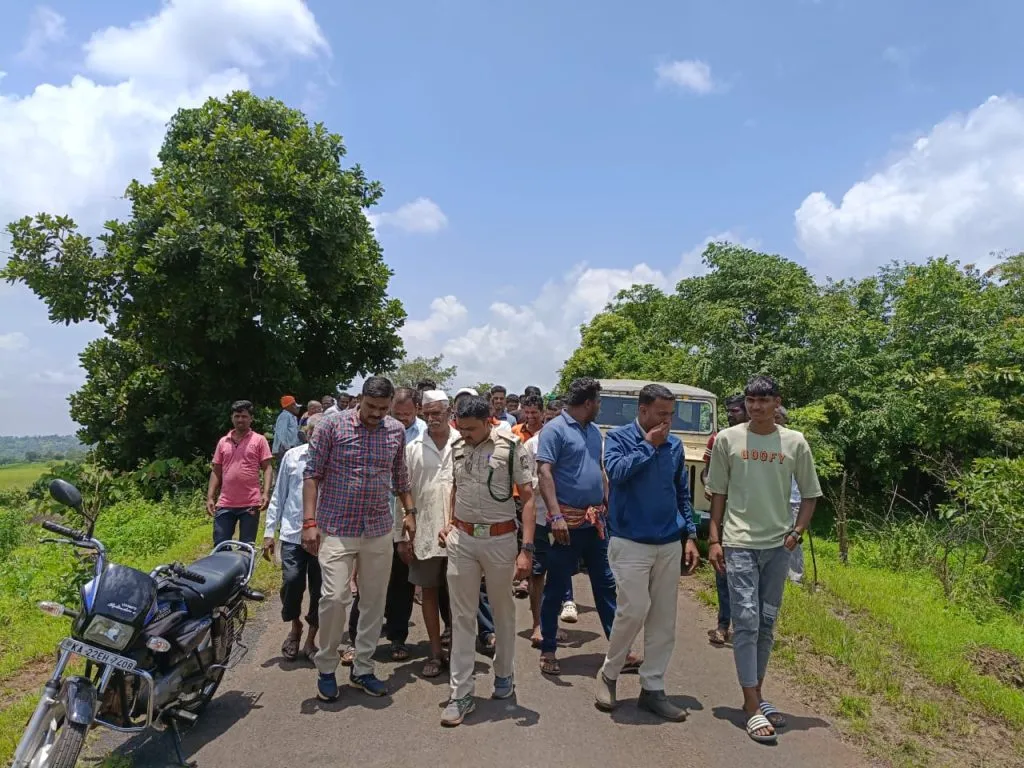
(63, 530)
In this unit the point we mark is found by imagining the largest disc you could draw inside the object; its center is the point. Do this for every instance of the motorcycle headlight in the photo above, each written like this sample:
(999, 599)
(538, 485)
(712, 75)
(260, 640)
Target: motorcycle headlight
(108, 633)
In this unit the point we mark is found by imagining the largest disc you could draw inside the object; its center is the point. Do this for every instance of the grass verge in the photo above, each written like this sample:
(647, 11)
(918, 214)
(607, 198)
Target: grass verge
(886, 655)
(28, 637)
(21, 476)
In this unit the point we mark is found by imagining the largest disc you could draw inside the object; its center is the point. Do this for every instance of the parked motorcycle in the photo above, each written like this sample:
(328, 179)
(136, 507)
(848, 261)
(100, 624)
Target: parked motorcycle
(156, 645)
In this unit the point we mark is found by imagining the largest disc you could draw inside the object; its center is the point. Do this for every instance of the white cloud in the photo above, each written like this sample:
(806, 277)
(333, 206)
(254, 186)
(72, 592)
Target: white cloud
(519, 345)
(45, 28)
(73, 147)
(422, 215)
(690, 75)
(446, 314)
(188, 39)
(13, 342)
(958, 190)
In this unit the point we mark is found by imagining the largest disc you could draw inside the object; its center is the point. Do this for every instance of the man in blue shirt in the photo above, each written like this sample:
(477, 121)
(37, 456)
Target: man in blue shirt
(649, 512)
(573, 486)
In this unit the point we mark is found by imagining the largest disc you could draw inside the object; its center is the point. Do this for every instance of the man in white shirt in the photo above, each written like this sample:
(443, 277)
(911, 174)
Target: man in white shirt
(298, 567)
(429, 459)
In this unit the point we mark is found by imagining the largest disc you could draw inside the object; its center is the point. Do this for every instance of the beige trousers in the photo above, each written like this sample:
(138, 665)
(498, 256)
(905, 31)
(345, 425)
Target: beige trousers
(338, 556)
(646, 582)
(469, 559)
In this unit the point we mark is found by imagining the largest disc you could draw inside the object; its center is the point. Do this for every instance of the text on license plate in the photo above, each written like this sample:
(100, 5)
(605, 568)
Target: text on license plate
(98, 655)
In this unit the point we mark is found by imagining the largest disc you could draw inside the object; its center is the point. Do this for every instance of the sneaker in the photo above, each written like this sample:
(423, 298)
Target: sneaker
(569, 614)
(327, 687)
(369, 683)
(503, 687)
(657, 703)
(604, 693)
(457, 710)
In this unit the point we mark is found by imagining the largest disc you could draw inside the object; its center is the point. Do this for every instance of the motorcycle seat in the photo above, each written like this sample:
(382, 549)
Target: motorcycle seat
(224, 573)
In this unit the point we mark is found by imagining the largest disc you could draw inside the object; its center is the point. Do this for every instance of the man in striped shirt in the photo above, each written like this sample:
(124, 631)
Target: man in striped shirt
(356, 457)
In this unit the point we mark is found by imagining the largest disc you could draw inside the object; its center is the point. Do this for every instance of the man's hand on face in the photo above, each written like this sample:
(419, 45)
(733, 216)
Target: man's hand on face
(658, 434)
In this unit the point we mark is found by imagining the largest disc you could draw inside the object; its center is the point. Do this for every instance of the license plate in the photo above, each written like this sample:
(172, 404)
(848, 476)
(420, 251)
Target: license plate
(98, 655)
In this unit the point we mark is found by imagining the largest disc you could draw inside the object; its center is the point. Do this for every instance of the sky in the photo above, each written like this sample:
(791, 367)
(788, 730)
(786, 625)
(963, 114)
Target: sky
(537, 157)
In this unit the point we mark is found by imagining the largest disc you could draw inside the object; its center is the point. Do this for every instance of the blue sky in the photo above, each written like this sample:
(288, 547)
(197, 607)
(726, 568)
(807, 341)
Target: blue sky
(536, 159)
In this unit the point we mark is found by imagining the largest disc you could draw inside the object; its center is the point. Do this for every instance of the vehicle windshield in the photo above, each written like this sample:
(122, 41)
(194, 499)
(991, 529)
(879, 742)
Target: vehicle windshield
(690, 415)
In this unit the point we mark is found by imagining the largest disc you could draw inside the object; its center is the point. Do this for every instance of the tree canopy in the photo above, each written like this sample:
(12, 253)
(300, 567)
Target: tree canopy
(916, 363)
(408, 373)
(247, 269)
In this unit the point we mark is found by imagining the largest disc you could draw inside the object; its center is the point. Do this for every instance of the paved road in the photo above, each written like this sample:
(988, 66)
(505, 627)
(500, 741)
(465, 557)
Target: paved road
(267, 713)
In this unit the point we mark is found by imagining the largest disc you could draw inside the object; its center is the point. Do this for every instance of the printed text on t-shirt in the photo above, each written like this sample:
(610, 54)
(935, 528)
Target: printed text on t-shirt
(769, 456)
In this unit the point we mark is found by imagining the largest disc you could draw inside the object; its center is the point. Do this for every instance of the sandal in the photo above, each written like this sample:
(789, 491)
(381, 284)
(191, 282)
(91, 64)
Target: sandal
(718, 636)
(757, 723)
(290, 647)
(776, 718)
(399, 652)
(348, 657)
(549, 666)
(432, 667)
(309, 653)
(632, 663)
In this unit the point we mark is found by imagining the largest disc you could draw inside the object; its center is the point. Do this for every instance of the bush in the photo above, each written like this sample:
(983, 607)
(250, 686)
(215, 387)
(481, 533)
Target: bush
(12, 531)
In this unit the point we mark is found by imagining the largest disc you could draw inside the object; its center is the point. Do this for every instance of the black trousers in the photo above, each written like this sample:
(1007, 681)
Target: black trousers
(299, 568)
(399, 603)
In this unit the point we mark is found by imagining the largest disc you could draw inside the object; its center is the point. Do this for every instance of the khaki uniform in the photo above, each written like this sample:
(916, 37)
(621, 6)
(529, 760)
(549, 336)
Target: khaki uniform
(484, 478)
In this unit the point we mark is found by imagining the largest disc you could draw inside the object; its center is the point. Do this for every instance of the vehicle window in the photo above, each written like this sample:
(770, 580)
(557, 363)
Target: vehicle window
(690, 415)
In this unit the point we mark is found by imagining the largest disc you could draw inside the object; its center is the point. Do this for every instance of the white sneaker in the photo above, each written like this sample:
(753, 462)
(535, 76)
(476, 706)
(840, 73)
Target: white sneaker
(569, 614)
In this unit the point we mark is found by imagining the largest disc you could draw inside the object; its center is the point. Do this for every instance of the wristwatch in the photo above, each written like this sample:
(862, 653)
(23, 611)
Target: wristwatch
(796, 535)
(412, 511)
(529, 547)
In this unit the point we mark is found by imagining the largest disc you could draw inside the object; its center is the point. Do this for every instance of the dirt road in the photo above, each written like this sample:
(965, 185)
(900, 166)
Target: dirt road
(267, 715)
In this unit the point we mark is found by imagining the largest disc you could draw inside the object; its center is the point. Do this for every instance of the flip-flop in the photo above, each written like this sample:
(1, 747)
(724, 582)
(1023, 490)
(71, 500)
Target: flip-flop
(757, 723)
(549, 666)
(309, 653)
(776, 718)
(432, 667)
(290, 647)
(399, 652)
(718, 636)
(632, 663)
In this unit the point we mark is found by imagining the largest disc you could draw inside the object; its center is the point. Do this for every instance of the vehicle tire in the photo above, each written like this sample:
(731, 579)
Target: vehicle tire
(68, 746)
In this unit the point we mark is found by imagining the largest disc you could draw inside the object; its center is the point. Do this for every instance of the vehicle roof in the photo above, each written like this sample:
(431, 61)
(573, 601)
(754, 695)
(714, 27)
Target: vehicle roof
(633, 387)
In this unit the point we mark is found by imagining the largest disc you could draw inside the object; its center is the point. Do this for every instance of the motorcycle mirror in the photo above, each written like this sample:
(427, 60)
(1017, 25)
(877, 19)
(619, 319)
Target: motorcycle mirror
(65, 493)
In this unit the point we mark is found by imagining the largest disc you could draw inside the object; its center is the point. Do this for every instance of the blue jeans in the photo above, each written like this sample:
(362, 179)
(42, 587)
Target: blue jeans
(248, 519)
(724, 611)
(562, 559)
(757, 579)
(542, 543)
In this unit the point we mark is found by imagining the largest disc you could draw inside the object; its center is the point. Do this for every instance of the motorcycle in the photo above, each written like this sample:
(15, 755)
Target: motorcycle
(155, 645)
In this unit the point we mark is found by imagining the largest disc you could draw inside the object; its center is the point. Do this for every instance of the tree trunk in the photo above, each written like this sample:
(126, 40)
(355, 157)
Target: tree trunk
(844, 544)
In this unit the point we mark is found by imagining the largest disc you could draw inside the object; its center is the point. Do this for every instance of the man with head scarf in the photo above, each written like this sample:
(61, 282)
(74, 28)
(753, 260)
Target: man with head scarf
(429, 459)
(286, 428)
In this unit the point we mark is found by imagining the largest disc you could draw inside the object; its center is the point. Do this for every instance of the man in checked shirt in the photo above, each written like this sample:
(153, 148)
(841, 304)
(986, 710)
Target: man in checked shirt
(356, 457)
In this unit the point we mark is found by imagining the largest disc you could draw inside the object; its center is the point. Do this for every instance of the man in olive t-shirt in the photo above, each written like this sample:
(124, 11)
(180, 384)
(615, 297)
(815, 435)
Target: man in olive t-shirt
(753, 466)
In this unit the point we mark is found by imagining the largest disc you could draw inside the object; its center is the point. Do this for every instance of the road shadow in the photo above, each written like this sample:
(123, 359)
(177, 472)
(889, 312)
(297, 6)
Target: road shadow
(409, 672)
(501, 710)
(793, 722)
(628, 713)
(574, 638)
(288, 665)
(154, 749)
(578, 665)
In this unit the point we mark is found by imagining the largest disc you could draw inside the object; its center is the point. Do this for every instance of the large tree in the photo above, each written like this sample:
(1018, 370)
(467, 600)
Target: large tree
(409, 373)
(247, 269)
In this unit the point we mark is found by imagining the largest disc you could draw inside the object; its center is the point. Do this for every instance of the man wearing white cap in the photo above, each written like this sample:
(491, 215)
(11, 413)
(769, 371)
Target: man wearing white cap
(429, 457)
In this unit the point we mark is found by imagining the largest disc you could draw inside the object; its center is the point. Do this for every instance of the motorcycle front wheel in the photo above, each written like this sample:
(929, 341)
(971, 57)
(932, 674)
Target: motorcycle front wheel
(61, 742)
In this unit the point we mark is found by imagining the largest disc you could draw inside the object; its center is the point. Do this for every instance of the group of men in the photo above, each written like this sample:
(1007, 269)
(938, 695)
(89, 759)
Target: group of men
(468, 502)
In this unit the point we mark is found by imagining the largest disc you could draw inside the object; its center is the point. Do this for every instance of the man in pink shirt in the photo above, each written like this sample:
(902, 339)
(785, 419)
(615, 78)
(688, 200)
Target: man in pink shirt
(237, 461)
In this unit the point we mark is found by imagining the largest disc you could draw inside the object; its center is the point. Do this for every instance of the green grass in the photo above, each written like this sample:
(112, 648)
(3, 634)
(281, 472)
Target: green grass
(935, 635)
(138, 534)
(21, 476)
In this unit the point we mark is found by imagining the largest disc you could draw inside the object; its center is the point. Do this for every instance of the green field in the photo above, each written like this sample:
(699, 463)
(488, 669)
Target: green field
(21, 476)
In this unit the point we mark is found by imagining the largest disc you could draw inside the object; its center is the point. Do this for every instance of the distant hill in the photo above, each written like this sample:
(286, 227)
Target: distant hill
(15, 450)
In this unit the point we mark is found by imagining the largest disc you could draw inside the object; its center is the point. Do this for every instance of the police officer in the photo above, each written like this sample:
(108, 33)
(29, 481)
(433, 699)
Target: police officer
(481, 542)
